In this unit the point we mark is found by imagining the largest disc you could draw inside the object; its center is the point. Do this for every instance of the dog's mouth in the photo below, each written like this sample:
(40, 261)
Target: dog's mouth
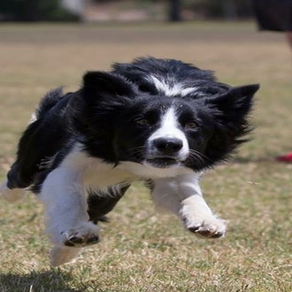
(163, 162)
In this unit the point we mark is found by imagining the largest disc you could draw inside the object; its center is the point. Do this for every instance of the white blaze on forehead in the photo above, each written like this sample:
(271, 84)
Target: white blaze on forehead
(169, 128)
(171, 90)
(169, 125)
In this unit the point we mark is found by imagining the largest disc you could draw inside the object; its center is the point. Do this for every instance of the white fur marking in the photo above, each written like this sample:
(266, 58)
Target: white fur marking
(183, 197)
(176, 89)
(65, 200)
(32, 119)
(147, 171)
(169, 129)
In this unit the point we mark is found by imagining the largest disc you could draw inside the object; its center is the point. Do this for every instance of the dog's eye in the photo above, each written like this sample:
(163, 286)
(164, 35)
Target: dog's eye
(191, 125)
(142, 122)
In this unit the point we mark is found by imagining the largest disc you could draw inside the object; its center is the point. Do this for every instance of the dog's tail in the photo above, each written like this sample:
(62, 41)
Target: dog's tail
(49, 101)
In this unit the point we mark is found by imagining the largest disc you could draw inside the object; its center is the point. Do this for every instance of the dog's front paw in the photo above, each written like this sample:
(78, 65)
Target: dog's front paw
(210, 226)
(72, 241)
(82, 235)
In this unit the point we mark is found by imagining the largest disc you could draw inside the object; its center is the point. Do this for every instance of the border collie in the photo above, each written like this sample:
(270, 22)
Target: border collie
(164, 122)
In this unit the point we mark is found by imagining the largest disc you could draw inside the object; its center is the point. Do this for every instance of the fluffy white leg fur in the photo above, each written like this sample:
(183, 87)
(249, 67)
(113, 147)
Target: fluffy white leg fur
(66, 210)
(62, 254)
(12, 195)
(182, 196)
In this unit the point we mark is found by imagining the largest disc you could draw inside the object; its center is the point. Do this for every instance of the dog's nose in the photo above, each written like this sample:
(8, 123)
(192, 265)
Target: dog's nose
(168, 145)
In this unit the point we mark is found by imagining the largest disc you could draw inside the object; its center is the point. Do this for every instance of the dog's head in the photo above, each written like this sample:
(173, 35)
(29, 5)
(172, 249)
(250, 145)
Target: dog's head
(118, 122)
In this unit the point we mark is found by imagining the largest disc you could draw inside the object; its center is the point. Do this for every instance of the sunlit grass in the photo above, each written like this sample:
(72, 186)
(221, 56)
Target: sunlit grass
(142, 250)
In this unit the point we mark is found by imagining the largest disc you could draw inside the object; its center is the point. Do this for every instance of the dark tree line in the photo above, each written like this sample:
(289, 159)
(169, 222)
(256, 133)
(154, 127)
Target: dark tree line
(34, 10)
(227, 9)
(52, 10)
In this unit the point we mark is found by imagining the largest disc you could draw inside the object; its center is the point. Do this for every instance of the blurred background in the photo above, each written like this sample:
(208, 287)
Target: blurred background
(122, 10)
(50, 43)
(45, 44)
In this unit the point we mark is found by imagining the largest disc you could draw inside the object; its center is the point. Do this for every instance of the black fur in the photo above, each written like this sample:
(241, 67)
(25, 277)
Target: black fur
(103, 116)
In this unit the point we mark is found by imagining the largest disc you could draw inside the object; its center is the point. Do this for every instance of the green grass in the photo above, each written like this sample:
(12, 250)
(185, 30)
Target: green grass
(142, 250)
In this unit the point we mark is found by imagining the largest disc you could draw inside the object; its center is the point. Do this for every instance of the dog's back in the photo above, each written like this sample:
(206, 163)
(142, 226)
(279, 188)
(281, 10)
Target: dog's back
(42, 139)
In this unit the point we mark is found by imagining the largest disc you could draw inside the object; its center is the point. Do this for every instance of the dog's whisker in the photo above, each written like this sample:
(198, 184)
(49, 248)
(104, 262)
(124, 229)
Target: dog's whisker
(201, 155)
(198, 157)
(137, 150)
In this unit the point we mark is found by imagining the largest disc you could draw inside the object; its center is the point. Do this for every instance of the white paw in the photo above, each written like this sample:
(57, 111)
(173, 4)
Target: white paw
(62, 254)
(11, 195)
(208, 226)
(84, 234)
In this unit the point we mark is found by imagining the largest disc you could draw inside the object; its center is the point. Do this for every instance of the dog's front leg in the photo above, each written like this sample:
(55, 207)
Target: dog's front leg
(65, 200)
(194, 211)
(182, 196)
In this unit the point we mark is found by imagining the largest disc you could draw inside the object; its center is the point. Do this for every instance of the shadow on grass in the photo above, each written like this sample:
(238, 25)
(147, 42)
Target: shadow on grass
(48, 281)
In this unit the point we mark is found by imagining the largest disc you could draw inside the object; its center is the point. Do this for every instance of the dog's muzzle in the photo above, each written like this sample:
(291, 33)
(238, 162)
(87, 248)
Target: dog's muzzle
(165, 152)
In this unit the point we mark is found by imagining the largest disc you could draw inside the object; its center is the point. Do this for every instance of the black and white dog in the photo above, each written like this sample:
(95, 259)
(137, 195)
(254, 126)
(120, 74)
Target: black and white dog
(161, 121)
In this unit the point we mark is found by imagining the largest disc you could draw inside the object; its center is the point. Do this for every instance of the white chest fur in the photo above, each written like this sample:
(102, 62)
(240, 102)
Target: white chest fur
(99, 175)
(95, 173)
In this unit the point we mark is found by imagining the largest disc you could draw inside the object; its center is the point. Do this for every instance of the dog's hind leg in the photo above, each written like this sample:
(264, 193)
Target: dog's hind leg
(101, 203)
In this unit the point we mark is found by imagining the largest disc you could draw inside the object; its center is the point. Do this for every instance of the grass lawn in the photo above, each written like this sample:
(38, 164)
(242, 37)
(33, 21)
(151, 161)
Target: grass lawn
(142, 250)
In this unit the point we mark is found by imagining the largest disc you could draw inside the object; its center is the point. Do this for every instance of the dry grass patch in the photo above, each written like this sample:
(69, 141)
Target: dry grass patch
(143, 251)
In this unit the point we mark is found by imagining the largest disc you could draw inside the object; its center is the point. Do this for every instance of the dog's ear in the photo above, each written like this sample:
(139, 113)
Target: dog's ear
(230, 111)
(100, 100)
(99, 84)
(233, 106)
